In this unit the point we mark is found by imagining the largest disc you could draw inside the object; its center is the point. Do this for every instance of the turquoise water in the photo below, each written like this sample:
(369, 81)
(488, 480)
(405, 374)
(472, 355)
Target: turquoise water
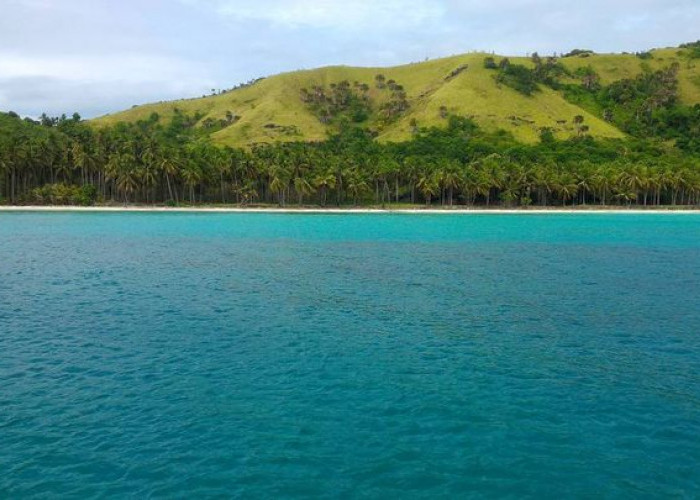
(373, 356)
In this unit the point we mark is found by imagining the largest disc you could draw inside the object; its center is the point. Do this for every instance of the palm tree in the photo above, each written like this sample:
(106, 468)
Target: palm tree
(514, 183)
(428, 187)
(625, 194)
(325, 181)
(492, 173)
(482, 185)
(127, 182)
(566, 186)
(222, 167)
(584, 175)
(148, 178)
(603, 180)
(541, 181)
(127, 178)
(450, 180)
(412, 168)
(278, 183)
(79, 156)
(303, 188)
(169, 167)
(191, 176)
(634, 180)
(511, 191)
(4, 168)
(357, 185)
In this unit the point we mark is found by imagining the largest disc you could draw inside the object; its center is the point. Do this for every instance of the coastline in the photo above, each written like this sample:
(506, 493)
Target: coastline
(311, 210)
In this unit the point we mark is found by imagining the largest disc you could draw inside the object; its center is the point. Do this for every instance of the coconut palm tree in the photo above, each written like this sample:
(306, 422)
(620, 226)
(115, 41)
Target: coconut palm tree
(279, 183)
(147, 175)
(325, 181)
(482, 184)
(191, 174)
(126, 174)
(428, 186)
(541, 181)
(302, 188)
(169, 166)
(566, 186)
(450, 179)
(356, 185)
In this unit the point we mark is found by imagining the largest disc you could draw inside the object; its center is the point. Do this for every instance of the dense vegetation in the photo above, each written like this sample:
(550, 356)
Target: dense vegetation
(644, 106)
(525, 80)
(343, 104)
(65, 161)
(176, 159)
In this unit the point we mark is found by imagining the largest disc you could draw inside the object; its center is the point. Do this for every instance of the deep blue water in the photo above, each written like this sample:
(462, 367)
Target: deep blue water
(371, 356)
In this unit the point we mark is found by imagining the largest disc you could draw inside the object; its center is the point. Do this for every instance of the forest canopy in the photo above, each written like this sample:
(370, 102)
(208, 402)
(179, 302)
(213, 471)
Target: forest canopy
(66, 161)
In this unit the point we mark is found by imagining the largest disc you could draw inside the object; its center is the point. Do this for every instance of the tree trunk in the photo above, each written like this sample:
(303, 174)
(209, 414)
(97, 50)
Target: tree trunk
(12, 185)
(223, 195)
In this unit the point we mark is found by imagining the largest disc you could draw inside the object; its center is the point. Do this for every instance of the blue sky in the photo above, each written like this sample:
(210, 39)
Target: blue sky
(98, 56)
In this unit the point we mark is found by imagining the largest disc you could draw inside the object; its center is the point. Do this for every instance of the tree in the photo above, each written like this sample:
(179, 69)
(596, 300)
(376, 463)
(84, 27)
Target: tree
(325, 181)
(279, 183)
(357, 185)
(428, 186)
(380, 81)
(303, 188)
(191, 174)
(65, 160)
(580, 127)
(566, 187)
(490, 63)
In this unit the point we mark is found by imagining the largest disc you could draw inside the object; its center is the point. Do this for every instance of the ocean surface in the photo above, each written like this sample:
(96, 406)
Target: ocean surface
(349, 356)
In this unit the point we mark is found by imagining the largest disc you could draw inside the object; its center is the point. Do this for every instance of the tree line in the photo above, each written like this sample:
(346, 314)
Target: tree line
(66, 161)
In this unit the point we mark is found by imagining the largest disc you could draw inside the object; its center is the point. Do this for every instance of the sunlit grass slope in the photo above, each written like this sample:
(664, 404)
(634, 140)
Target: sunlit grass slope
(272, 110)
(612, 67)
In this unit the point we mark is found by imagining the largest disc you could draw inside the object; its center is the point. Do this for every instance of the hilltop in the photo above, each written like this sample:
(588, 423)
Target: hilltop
(308, 105)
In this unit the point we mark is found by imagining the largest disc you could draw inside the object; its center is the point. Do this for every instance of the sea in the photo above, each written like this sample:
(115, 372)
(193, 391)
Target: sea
(273, 355)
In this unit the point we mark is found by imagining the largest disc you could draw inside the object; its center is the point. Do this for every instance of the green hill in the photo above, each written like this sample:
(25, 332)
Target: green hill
(273, 109)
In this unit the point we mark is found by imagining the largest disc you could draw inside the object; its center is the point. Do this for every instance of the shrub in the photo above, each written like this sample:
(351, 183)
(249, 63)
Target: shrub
(63, 194)
(519, 78)
(579, 53)
(86, 196)
(490, 63)
(547, 135)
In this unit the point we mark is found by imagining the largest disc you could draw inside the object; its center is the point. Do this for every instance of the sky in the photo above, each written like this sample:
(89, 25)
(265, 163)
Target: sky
(101, 56)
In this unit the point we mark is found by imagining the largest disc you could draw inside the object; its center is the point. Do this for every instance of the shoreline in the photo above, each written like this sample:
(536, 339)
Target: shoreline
(303, 210)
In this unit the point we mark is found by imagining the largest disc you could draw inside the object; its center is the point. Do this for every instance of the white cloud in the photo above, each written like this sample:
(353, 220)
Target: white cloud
(85, 68)
(33, 4)
(349, 14)
(95, 85)
(98, 55)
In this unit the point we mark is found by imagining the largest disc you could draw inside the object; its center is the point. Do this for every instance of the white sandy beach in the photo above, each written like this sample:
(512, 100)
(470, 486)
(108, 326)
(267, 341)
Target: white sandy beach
(416, 211)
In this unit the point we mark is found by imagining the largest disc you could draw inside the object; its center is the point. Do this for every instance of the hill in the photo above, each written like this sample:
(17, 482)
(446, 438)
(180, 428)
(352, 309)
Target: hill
(472, 130)
(276, 109)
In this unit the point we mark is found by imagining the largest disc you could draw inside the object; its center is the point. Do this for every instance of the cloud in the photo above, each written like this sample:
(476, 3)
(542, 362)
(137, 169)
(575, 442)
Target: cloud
(94, 85)
(103, 55)
(108, 67)
(32, 4)
(325, 14)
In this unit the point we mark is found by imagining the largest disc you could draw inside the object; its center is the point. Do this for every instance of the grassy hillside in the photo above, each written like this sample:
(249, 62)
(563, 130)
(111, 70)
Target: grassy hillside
(272, 109)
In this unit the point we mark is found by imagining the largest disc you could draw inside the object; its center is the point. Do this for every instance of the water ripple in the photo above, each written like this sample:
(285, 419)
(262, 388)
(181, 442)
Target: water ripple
(359, 356)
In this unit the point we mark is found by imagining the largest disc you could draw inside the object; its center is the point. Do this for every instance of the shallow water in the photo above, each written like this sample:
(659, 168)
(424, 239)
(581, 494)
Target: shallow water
(274, 355)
